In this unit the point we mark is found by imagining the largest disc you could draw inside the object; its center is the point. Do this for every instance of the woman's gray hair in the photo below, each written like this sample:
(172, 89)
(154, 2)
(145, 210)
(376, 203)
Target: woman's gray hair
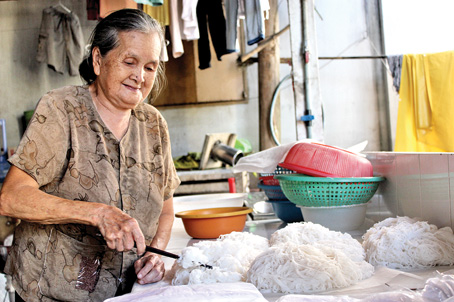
(105, 37)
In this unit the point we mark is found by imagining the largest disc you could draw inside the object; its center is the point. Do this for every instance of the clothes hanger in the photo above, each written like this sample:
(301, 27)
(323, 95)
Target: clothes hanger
(63, 7)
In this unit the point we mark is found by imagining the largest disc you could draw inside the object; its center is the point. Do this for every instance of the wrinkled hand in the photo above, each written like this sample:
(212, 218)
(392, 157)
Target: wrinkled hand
(120, 230)
(149, 268)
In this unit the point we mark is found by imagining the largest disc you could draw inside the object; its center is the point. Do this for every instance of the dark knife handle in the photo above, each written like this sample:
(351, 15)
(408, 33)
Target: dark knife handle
(161, 252)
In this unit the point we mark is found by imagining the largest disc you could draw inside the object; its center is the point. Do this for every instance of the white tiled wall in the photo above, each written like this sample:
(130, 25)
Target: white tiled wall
(417, 185)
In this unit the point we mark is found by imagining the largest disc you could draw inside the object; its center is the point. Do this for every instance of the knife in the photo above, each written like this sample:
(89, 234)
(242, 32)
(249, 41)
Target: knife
(168, 254)
(161, 252)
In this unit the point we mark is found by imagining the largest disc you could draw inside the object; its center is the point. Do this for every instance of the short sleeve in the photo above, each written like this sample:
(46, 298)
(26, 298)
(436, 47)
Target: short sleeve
(43, 148)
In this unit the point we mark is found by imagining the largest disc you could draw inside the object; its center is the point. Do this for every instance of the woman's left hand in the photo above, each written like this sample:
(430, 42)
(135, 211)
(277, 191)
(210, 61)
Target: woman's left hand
(149, 268)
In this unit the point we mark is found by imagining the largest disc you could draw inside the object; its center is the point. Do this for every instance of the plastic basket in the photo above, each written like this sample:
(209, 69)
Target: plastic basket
(326, 191)
(268, 178)
(273, 192)
(321, 160)
(279, 171)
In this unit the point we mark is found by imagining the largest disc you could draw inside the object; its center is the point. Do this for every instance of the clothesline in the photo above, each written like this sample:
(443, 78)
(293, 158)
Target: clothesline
(249, 60)
(263, 44)
(352, 57)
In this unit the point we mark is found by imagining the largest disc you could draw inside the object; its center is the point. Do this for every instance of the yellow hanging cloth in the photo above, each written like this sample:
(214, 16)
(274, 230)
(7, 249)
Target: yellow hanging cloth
(425, 119)
(161, 13)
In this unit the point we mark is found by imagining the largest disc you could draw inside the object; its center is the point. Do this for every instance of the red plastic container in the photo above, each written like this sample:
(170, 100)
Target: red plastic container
(269, 180)
(321, 160)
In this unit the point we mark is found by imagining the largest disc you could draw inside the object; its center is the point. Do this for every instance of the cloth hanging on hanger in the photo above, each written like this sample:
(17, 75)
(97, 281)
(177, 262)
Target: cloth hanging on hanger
(395, 66)
(265, 7)
(210, 14)
(189, 27)
(164, 57)
(60, 42)
(254, 21)
(424, 121)
(183, 24)
(174, 29)
(160, 13)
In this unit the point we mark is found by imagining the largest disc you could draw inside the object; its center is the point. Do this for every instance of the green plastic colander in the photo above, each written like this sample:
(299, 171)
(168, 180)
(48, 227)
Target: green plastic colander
(311, 191)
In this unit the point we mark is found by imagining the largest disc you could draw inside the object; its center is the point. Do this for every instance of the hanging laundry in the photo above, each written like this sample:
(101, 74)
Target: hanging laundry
(160, 13)
(241, 13)
(395, 67)
(210, 15)
(174, 28)
(253, 16)
(189, 26)
(164, 57)
(150, 2)
(424, 121)
(183, 24)
(93, 10)
(60, 41)
(265, 7)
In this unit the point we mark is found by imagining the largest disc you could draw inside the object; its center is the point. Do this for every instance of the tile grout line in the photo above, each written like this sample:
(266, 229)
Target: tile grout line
(420, 187)
(449, 193)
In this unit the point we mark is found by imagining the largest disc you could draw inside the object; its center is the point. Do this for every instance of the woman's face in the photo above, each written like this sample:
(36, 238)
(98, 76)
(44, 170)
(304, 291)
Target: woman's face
(125, 75)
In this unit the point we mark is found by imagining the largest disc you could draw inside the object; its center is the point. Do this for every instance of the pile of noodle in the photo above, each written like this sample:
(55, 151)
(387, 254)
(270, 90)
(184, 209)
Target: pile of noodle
(303, 258)
(230, 257)
(403, 243)
(309, 233)
(305, 268)
(308, 258)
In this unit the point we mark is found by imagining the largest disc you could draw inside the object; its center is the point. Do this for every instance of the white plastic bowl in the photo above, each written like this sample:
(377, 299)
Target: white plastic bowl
(204, 201)
(337, 218)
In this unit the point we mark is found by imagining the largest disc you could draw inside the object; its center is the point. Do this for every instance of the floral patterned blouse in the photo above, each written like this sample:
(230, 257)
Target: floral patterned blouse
(71, 153)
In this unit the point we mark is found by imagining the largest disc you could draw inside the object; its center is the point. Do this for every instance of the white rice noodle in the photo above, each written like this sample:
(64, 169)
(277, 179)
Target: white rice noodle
(403, 243)
(230, 256)
(202, 275)
(303, 268)
(309, 233)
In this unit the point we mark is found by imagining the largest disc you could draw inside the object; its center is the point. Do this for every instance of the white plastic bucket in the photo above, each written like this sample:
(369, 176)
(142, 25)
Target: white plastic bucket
(337, 218)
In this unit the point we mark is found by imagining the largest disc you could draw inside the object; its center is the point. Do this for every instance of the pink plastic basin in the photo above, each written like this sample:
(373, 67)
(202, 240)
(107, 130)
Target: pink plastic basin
(321, 160)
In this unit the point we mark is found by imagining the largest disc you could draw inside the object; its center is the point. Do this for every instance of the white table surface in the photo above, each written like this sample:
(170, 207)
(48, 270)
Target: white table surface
(384, 279)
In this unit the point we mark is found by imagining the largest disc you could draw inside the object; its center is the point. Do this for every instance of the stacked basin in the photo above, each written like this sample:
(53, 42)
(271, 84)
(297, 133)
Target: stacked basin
(284, 209)
(332, 186)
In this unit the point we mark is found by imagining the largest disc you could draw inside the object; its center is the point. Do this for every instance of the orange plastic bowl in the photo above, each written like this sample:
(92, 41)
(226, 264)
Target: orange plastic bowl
(213, 222)
(321, 160)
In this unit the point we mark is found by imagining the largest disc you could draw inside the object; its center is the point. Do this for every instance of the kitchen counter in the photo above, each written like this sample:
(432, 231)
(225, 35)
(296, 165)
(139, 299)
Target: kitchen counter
(180, 239)
(383, 280)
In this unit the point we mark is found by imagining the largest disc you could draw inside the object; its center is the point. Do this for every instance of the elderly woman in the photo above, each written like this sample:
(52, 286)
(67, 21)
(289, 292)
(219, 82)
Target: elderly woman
(93, 178)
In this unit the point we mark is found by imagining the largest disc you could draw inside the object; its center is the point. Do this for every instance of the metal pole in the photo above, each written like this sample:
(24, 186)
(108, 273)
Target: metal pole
(306, 69)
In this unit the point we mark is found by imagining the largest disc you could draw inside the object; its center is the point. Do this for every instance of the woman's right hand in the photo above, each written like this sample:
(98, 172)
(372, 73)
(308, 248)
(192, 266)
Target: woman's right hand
(120, 230)
(21, 198)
